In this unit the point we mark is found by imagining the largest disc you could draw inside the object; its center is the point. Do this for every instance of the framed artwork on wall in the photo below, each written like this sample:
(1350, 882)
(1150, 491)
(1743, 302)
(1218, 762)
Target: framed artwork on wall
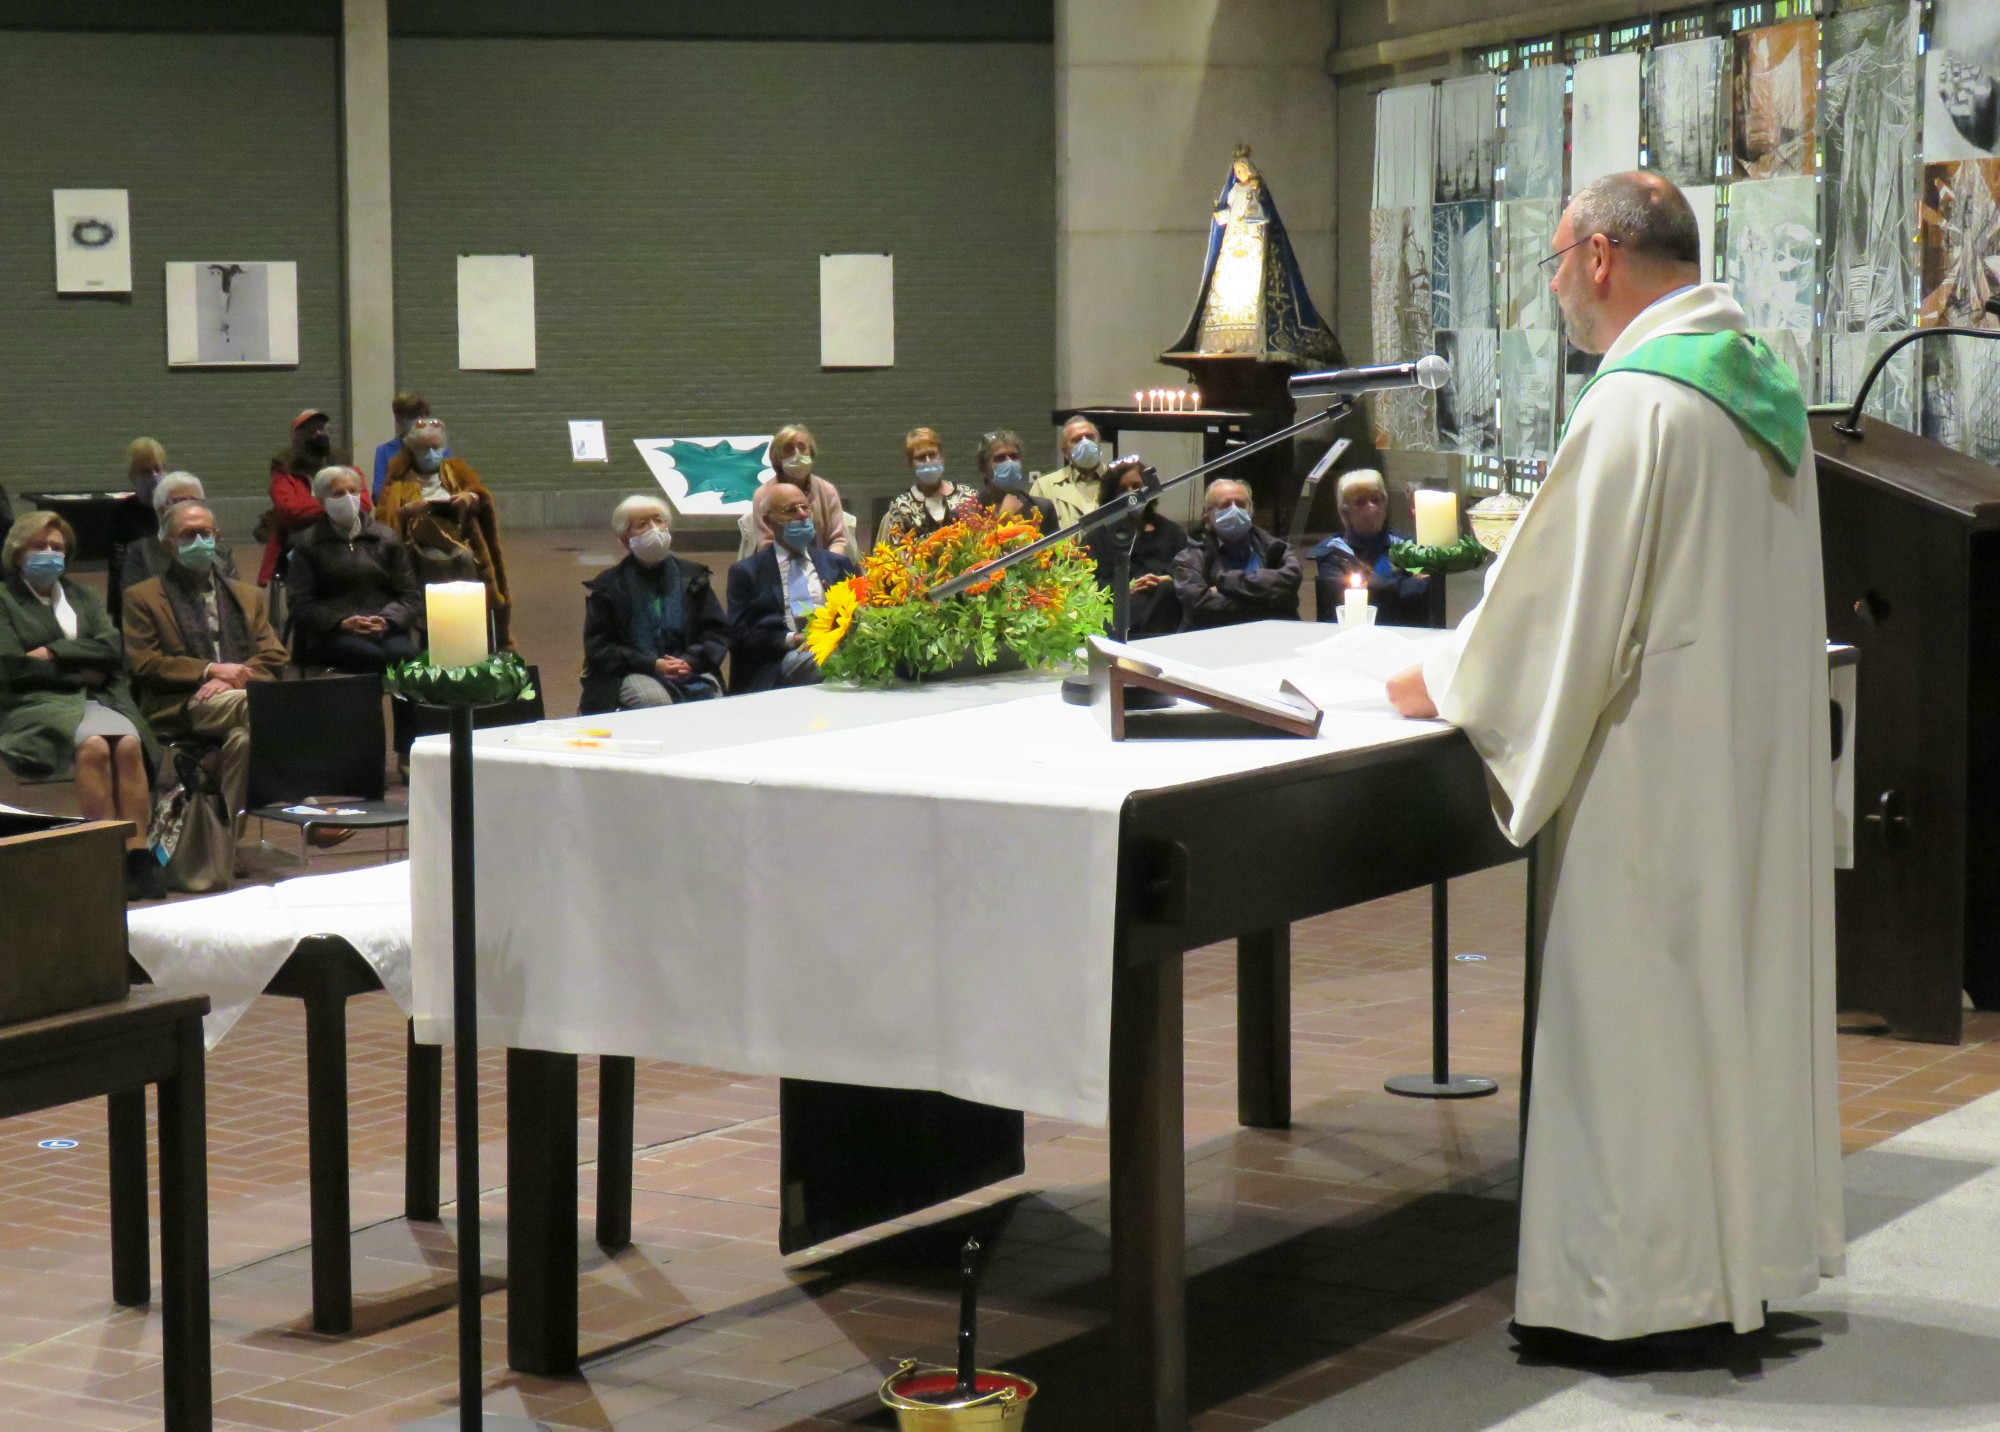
(93, 241)
(712, 476)
(232, 314)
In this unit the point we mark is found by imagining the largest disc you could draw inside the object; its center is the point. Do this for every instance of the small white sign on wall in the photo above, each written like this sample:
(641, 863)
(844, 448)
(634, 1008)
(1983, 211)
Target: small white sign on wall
(496, 312)
(586, 440)
(857, 311)
(93, 241)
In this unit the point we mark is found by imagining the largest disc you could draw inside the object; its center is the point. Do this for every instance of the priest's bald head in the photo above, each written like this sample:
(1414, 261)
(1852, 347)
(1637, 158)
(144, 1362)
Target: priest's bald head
(1625, 241)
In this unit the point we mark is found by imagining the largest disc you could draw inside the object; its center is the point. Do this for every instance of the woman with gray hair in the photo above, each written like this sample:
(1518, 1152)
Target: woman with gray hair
(65, 704)
(144, 560)
(1359, 554)
(654, 632)
(355, 604)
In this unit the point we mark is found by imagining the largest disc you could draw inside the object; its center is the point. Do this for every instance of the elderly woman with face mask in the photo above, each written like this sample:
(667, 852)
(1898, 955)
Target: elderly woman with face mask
(931, 500)
(1231, 570)
(446, 517)
(133, 523)
(795, 459)
(654, 633)
(65, 703)
(1007, 488)
(1156, 609)
(353, 595)
(1358, 554)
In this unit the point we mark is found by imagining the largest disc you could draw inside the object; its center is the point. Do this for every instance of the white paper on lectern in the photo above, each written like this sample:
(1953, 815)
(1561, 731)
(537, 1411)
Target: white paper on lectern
(586, 440)
(496, 312)
(1377, 653)
(93, 241)
(857, 311)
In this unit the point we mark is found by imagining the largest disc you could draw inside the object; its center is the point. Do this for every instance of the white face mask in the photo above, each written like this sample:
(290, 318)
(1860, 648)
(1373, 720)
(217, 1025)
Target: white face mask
(651, 545)
(798, 464)
(344, 510)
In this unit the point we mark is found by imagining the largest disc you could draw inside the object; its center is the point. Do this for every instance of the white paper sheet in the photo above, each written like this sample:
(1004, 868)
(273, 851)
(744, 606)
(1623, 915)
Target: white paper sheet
(586, 440)
(496, 312)
(93, 241)
(857, 311)
(1604, 118)
(1376, 652)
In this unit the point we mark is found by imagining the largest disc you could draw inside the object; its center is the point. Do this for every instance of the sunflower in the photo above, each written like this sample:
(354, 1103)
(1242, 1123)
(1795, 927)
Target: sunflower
(830, 624)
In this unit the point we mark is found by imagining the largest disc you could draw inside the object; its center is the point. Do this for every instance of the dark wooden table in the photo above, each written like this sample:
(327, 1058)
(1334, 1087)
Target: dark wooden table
(114, 1051)
(1332, 832)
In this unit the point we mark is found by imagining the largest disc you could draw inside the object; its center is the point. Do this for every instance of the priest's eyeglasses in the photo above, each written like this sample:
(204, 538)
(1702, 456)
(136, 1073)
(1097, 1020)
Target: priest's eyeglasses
(1556, 257)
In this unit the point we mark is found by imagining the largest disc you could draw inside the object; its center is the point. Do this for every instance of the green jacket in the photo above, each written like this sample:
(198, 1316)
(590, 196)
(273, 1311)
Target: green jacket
(41, 702)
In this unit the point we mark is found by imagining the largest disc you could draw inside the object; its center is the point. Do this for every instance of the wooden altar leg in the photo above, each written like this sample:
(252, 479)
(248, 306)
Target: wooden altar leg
(184, 1330)
(326, 1158)
(423, 1113)
(616, 1088)
(131, 1258)
(1148, 1199)
(1264, 1028)
(541, 1212)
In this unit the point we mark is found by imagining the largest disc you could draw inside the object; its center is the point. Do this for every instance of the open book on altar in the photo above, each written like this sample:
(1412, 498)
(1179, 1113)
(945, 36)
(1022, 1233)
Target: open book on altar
(1116, 667)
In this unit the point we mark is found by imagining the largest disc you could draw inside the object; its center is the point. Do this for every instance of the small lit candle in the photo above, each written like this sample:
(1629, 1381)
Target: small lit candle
(1139, 401)
(1437, 517)
(1355, 598)
(1196, 399)
(455, 613)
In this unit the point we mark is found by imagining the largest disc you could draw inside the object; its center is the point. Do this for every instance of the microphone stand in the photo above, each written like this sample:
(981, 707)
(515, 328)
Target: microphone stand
(1849, 425)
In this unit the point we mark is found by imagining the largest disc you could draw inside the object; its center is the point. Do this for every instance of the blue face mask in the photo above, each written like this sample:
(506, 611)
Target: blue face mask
(930, 474)
(1231, 524)
(197, 554)
(42, 568)
(797, 535)
(1008, 477)
(1083, 454)
(430, 459)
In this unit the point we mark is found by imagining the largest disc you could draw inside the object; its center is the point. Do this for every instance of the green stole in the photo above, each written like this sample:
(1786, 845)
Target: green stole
(1738, 372)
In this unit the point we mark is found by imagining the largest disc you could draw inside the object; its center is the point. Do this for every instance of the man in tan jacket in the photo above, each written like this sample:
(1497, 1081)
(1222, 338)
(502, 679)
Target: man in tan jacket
(194, 642)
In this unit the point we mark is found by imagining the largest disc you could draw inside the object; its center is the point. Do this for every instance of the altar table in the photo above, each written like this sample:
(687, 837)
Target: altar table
(962, 888)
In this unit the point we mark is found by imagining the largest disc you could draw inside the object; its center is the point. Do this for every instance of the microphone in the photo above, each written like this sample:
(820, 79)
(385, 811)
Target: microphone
(1429, 371)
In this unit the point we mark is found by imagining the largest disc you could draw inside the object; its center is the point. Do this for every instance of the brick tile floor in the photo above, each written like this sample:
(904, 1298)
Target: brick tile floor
(1372, 1231)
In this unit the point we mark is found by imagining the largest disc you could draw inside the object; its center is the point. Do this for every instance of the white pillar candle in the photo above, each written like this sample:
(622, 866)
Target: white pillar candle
(1355, 599)
(455, 613)
(1197, 399)
(1139, 401)
(1437, 517)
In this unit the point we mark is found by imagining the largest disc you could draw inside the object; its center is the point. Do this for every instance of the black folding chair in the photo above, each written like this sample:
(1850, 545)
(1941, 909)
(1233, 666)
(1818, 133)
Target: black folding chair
(318, 754)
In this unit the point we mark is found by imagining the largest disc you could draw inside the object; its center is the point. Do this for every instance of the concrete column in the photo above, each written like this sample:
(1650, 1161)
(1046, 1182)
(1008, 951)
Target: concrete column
(1151, 98)
(371, 278)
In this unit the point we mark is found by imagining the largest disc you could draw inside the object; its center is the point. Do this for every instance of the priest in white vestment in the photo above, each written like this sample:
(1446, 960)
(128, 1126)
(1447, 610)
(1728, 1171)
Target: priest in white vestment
(1646, 682)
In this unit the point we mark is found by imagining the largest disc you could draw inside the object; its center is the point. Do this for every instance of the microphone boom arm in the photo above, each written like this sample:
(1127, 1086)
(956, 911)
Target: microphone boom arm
(1131, 502)
(1849, 425)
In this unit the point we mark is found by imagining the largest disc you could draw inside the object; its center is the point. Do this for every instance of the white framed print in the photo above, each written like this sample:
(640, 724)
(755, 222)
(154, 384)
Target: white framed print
(232, 314)
(93, 241)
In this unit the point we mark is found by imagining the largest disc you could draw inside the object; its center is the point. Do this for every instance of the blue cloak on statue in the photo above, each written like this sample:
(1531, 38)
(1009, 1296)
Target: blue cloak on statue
(1253, 300)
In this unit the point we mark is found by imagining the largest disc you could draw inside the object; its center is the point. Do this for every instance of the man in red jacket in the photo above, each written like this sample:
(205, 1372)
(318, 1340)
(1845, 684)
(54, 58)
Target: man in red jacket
(293, 508)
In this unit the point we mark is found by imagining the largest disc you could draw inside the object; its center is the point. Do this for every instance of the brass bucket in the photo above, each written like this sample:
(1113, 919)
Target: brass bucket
(999, 1400)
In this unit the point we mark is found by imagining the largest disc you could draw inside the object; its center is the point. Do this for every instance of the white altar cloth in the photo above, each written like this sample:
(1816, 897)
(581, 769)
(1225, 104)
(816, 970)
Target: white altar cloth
(229, 946)
(911, 889)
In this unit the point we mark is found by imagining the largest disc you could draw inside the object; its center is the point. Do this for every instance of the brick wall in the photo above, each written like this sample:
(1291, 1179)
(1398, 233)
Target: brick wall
(677, 196)
(228, 144)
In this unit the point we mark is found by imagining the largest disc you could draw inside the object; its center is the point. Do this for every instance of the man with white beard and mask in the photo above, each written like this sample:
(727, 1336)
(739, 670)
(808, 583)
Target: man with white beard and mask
(1646, 682)
(352, 592)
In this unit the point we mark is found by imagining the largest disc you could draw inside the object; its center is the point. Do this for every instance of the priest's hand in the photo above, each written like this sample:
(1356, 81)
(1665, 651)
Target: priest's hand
(1409, 695)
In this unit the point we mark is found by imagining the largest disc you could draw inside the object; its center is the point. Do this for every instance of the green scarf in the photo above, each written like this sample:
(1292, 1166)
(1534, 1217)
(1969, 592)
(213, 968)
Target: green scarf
(1740, 373)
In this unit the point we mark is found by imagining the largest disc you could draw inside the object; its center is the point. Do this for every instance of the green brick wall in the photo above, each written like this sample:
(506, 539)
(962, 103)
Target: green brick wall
(229, 145)
(677, 195)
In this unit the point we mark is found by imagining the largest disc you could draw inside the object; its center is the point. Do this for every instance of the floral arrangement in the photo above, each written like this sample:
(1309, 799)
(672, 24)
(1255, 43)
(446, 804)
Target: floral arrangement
(879, 627)
(492, 682)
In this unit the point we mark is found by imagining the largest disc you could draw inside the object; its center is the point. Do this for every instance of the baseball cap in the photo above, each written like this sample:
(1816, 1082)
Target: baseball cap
(307, 416)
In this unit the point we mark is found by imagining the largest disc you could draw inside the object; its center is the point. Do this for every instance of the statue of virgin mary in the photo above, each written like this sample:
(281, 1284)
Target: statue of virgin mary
(1253, 301)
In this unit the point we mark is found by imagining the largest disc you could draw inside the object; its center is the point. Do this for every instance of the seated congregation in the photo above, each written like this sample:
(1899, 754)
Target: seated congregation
(115, 693)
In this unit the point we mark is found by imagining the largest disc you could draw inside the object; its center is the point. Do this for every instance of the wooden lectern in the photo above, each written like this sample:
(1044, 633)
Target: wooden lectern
(1911, 537)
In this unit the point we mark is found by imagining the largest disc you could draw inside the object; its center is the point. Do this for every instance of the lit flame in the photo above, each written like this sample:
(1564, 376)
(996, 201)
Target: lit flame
(1355, 580)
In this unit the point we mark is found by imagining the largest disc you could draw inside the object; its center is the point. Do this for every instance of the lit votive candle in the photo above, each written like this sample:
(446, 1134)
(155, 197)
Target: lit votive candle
(1139, 401)
(1195, 398)
(1437, 517)
(455, 613)
(1354, 608)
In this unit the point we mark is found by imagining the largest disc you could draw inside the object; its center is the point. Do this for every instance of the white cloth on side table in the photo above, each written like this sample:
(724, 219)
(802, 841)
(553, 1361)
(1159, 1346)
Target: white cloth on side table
(910, 888)
(229, 946)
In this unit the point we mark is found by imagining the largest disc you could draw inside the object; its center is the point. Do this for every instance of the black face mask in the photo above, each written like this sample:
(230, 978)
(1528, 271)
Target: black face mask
(316, 447)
